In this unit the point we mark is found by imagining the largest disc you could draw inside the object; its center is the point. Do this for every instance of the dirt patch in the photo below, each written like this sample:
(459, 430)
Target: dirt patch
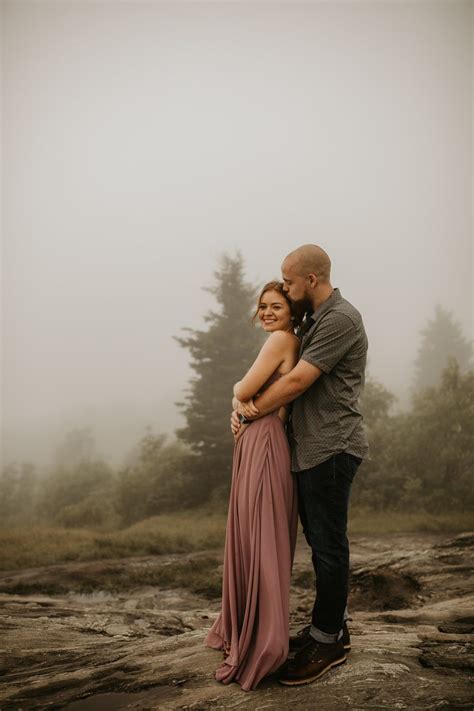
(383, 589)
(304, 579)
(463, 625)
(464, 540)
(448, 655)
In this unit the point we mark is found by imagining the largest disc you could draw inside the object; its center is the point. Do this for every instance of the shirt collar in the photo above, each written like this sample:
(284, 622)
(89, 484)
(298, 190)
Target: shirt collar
(326, 305)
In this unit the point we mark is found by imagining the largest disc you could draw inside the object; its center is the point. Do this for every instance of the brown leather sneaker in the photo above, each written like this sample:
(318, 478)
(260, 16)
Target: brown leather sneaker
(311, 663)
(300, 640)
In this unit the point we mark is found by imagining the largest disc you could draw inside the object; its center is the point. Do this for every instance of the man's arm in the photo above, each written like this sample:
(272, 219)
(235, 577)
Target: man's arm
(288, 387)
(334, 336)
(281, 392)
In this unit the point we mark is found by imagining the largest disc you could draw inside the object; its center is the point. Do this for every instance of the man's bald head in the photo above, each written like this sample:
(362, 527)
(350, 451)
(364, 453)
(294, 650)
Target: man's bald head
(309, 259)
(306, 274)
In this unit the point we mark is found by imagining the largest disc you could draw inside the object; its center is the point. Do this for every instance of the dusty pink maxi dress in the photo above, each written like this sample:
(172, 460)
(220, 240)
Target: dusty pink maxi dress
(253, 625)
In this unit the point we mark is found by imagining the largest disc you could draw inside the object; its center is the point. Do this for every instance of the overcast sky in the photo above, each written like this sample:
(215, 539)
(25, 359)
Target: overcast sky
(142, 140)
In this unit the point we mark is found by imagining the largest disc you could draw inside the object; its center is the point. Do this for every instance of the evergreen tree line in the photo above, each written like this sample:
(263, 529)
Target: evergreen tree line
(421, 459)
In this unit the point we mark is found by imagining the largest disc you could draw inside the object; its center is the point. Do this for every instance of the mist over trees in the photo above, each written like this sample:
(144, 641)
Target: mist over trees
(155, 481)
(79, 490)
(78, 446)
(421, 459)
(18, 492)
(220, 356)
(442, 340)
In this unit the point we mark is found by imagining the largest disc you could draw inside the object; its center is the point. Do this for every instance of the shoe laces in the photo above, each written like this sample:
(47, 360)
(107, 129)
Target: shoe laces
(316, 652)
(304, 632)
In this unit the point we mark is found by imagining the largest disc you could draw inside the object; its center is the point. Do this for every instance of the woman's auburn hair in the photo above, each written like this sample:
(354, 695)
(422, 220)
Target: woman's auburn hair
(277, 286)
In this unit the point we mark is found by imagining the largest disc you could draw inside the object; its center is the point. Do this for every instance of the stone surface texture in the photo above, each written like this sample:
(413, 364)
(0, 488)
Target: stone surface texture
(412, 606)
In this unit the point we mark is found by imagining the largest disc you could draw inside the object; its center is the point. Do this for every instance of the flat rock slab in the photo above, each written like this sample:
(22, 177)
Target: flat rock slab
(413, 618)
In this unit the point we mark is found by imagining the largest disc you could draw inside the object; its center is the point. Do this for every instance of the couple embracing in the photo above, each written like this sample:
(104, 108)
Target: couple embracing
(314, 363)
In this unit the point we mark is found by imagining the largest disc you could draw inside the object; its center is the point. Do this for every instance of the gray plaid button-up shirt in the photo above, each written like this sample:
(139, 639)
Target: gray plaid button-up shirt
(326, 418)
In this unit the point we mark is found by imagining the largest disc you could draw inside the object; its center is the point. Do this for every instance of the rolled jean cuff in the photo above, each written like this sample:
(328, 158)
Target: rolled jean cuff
(324, 637)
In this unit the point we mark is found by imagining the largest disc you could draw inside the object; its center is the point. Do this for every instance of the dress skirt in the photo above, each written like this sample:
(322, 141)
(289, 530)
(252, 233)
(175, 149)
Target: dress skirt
(253, 626)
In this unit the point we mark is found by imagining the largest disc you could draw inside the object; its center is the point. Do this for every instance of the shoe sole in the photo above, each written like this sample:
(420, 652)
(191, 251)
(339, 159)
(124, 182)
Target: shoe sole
(301, 682)
(347, 648)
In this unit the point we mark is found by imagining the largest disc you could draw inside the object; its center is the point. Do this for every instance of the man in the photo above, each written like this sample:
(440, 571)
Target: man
(328, 444)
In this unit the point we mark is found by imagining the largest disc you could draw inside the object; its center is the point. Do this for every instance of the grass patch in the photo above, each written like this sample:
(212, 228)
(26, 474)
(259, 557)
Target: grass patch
(380, 522)
(187, 532)
(177, 533)
(201, 576)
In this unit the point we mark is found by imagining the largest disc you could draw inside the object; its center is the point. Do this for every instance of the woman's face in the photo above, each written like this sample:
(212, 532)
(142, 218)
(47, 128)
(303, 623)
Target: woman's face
(274, 312)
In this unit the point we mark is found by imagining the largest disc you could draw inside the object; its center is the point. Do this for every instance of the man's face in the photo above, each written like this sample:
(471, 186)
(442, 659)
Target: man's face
(295, 285)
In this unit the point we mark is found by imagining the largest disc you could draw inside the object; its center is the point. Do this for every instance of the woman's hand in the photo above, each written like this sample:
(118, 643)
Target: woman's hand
(236, 426)
(248, 409)
(235, 423)
(240, 431)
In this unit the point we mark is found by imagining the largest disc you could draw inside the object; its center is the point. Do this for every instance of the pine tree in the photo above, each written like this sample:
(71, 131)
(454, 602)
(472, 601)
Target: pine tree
(442, 340)
(438, 446)
(220, 356)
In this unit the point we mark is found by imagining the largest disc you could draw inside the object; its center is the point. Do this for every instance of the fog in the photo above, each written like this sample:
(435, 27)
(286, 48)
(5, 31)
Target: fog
(140, 141)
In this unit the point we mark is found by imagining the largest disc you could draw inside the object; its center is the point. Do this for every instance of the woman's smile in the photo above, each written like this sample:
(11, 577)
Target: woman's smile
(274, 312)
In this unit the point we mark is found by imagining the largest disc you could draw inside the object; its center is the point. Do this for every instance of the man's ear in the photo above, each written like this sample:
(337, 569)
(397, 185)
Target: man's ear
(313, 280)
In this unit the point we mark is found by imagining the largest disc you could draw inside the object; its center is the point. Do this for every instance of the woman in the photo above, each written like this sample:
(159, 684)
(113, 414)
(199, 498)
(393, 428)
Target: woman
(253, 626)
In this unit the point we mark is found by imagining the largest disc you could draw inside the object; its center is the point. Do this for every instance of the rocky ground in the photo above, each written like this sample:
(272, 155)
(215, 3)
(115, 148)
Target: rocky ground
(413, 617)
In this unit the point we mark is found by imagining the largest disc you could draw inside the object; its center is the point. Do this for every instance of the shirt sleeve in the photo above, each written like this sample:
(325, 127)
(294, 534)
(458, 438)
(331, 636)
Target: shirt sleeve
(330, 341)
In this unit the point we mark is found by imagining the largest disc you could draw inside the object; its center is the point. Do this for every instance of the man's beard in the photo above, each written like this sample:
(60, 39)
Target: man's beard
(301, 307)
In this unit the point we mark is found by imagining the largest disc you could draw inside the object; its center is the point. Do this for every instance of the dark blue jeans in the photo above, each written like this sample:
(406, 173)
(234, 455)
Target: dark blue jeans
(323, 500)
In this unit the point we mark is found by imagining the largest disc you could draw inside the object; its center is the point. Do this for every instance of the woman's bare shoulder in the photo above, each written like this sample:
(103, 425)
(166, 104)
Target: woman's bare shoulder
(284, 340)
